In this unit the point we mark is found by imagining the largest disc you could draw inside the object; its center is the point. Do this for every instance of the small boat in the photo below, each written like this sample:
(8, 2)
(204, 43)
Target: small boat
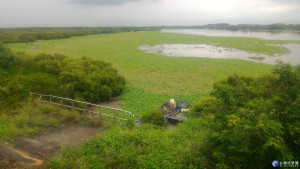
(173, 111)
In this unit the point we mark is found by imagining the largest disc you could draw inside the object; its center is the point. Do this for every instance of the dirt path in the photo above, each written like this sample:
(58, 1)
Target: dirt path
(114, 103)
(30, 152)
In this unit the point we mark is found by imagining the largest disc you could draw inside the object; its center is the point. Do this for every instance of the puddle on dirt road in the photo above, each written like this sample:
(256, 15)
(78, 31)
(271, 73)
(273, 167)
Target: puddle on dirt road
(210, 51)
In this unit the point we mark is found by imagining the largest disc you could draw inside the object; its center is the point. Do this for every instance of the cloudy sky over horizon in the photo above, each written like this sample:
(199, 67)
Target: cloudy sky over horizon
(60, 13)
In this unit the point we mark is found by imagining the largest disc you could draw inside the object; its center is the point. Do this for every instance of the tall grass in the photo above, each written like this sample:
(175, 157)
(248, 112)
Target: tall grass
(147, 146)
(31, 117)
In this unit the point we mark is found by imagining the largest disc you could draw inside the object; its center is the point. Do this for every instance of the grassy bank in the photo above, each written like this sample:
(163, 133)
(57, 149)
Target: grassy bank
(154, 79)
(33, 116)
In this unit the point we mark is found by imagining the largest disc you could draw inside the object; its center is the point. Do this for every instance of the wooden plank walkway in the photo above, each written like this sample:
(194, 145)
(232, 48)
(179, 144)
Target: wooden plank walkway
(56, 100)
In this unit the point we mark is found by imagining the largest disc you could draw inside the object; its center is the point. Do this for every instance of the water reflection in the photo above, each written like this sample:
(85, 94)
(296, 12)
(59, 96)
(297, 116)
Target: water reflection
(271, 35)
(208, 51)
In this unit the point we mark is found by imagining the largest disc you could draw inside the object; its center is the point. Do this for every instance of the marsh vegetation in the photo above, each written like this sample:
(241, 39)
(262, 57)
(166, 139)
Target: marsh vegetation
(241, 111)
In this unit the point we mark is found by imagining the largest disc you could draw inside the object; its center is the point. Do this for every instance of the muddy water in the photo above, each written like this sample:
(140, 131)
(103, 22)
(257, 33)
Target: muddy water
(209, 51)
(271, 35)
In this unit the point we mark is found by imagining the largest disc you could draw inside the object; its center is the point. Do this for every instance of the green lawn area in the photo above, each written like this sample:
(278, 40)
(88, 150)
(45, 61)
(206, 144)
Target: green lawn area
(153, 79)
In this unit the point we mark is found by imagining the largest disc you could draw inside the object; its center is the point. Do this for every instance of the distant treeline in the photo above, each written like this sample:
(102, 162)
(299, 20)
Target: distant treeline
(25, 35)
(18, 35)
(247, 27)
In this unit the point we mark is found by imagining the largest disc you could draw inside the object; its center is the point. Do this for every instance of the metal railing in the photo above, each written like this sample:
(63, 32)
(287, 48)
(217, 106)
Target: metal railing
(86, 104)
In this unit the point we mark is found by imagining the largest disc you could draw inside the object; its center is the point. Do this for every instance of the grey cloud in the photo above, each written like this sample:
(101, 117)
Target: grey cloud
(102, 2)
(286, 1)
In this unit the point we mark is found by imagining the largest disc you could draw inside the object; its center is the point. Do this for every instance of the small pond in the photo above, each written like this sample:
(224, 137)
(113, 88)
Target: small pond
(271, 35)
(209, 51)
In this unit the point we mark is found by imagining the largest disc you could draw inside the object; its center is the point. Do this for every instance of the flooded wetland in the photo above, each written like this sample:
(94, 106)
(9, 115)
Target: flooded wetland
(217, 52)
(149, 84)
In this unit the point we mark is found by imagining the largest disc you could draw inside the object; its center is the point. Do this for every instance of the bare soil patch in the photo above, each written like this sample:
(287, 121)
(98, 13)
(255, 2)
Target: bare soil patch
(30, 152)
(114, 103)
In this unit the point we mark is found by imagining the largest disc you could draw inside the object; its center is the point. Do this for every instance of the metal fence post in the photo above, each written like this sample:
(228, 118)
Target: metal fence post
(115, 116)
(86, 110)
(59, 101)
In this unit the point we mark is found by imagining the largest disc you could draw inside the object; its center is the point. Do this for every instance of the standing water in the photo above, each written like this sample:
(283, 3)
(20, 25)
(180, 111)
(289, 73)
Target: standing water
(270, 35)
(209, 51)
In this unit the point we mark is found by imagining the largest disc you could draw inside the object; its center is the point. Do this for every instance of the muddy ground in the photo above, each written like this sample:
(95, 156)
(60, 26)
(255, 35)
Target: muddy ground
(30, 152)
(114, 103)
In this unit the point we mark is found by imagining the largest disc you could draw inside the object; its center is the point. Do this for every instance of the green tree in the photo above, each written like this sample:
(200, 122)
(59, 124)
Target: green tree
(255, 120)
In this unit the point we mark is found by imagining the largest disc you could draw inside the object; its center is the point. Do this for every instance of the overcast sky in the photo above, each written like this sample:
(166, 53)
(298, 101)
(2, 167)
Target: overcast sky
(60, 13)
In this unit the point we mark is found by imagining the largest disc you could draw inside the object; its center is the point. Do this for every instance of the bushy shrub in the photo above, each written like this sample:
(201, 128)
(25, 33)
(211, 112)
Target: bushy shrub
(253, 119)
(155, 117)
(49, 63)
(41, 82)
(206, 106)
(13, 92)
(83, 79)
(7, 59)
